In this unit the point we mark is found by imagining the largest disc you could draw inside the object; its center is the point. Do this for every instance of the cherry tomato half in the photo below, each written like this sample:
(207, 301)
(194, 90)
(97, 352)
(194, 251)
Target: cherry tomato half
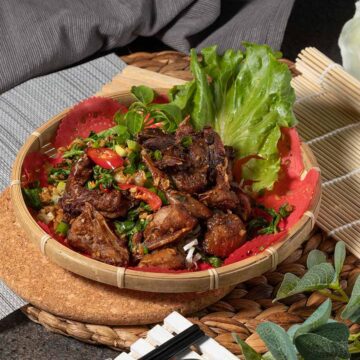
(145, 195)
(106, 158)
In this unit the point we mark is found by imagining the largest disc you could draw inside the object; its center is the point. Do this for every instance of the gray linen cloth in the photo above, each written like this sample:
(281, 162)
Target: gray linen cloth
(41, 36)
(27, 106)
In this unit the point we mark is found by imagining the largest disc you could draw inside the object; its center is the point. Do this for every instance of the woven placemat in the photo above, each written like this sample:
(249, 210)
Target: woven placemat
(248, 304)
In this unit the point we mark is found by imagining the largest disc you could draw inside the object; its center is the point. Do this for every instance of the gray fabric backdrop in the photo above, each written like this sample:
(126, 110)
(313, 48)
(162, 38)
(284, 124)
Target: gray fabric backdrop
(41, 36)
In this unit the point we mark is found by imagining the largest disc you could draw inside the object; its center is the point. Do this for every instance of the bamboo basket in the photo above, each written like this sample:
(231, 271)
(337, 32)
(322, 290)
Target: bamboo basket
(149, 281)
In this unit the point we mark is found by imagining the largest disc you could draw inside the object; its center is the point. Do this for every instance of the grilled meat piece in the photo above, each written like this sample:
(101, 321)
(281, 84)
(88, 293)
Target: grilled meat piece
(194, 207)
(90, 233)
(155, 139)
(216, 151)
(168, 258)
(184, 129)
(245, 206)
(110, 204)
(225, 233)
(174, 158)
(191, 182)
(221, 196)
(160, 179)
(169, 224)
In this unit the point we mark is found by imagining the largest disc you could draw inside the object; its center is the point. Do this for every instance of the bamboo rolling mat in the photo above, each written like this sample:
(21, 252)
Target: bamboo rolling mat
(328, 110)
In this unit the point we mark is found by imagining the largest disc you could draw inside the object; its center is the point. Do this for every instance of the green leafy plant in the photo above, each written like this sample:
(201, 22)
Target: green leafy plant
(319, 337)
(143, 112)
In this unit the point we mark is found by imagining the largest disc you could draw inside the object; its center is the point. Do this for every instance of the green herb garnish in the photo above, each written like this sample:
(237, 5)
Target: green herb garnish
(32, 197)
(157, 155)
(62, 228)
(186, 141)
(74, 152)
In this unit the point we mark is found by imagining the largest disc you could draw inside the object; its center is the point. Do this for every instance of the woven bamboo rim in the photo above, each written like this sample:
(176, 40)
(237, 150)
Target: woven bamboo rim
(249, 304)
(146, 281)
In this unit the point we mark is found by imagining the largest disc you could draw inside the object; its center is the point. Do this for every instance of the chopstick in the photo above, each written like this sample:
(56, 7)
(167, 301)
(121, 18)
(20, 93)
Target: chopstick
(175, 345)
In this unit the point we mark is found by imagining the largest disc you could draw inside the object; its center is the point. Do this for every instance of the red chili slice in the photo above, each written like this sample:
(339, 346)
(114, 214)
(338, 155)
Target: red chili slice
(161, 99)
(106, 158)
(144, 194)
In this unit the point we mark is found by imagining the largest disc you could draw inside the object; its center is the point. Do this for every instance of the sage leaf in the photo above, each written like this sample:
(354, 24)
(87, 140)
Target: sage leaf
(277, 341)
(315, 257)
(268, 356)
(317, 278)
(318, 318)
(247, 350)
(143, 93)
(313, 346)
(134, 122)
(339, 258)
(292, 330)
(352, 309)
(333, 331)
(288, 284)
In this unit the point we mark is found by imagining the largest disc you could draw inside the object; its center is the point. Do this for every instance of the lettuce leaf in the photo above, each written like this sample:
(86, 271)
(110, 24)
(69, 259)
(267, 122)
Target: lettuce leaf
(248, 99)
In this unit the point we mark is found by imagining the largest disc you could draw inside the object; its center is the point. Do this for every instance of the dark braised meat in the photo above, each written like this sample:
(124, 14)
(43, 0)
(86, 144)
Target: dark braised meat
(110, 204)
(160, 179)
(184, 129)
(174, 158)
(194, 207)
(225, 233)
(155, 139)
(221, 196)
(169, 224)
(90, 233)
(168, 258)
(245, 206)
(191, 182)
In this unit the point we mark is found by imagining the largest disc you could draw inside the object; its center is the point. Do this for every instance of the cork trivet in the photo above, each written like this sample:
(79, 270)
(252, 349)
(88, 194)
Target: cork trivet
(49, 287)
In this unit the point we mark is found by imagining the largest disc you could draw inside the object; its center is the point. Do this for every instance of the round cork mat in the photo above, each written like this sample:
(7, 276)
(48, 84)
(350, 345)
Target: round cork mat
(51, 288)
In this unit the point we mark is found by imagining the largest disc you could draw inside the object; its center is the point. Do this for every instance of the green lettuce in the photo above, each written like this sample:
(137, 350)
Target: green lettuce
(246, 97)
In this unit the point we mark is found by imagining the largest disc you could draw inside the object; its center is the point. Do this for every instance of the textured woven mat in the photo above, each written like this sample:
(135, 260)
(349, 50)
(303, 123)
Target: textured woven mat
(249, 303)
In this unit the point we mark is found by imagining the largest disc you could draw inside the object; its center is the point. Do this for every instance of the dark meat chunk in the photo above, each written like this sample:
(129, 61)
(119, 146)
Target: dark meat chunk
(160, 179)
(168, 258)
(191, 182)
(194, 207)
(174, 158)
(169, 224)
(245, 206)
(155, 139)
(225, 233)
(184, 129)
(216, 151)
(221, 196)
(90, 233)
(230, 156)
(111, 204)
